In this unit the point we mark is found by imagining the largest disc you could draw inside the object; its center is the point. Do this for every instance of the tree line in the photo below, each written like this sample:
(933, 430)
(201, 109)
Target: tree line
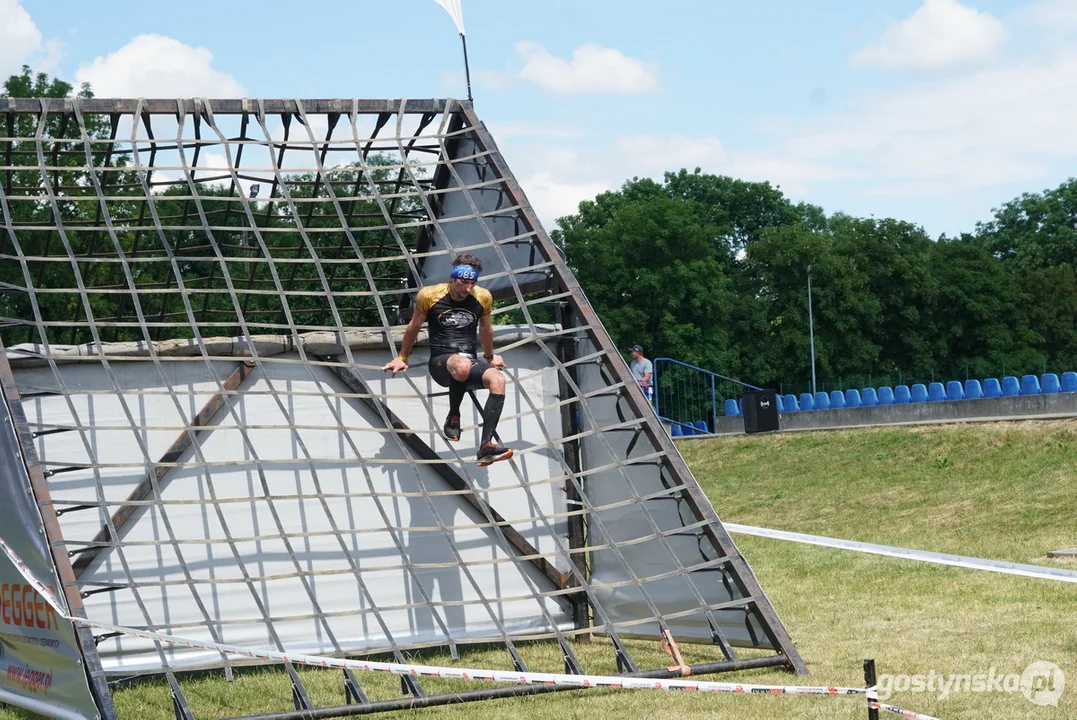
(183, 250)
(713, 271)
(706, 269)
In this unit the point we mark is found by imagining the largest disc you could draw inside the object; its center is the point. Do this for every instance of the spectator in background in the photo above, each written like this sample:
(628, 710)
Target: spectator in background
(641, 370)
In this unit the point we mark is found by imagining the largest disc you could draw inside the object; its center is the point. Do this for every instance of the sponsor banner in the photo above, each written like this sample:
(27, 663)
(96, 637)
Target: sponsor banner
(41, 665)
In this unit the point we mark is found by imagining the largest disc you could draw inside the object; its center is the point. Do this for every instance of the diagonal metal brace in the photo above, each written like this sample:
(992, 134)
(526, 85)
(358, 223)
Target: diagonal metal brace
(175, 450)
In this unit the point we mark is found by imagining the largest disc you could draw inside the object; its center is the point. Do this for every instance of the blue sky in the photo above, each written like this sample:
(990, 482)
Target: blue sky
(931, 111)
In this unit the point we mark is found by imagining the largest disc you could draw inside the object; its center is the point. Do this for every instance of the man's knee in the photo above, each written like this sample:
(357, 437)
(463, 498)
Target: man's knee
(494, 381)
(459, 367)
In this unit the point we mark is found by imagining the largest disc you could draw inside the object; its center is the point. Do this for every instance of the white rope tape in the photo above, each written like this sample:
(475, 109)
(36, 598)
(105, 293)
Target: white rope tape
(505, 676)
(899, 711)
(1040, 572)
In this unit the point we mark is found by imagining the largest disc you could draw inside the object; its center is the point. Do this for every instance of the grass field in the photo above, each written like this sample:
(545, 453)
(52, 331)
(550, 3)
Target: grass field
(1000, 490)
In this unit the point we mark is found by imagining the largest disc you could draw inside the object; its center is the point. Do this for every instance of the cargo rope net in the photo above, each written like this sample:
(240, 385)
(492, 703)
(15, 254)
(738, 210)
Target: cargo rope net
(479, 674)
(196, 301)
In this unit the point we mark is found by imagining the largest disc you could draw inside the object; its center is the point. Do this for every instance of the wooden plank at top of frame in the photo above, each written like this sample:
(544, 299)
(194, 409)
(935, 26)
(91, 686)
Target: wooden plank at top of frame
(162, 106)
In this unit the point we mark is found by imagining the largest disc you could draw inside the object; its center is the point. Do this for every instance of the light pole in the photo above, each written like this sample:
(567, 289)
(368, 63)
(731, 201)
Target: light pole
(811, 334)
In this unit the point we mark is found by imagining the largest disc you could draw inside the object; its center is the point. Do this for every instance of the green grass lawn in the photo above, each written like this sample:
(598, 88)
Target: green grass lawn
(1005, 490)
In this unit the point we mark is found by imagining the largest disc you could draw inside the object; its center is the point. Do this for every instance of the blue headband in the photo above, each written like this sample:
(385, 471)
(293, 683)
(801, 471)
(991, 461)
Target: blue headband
(465, 272)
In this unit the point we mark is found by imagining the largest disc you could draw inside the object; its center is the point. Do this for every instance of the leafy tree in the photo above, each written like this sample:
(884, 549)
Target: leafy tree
(661, 262)
(234, 244)
(979, 317)
(28, 204)
(894, 260)
(650, 270)
(1035, 230)
(739, 210)
(1051, 309)
(844, 308)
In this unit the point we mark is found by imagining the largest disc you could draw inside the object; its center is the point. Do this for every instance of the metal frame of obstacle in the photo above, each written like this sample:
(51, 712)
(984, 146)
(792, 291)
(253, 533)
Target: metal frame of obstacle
(61, 141)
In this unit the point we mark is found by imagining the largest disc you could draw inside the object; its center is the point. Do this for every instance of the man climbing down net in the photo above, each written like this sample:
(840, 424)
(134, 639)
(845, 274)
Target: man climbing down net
(459, 319)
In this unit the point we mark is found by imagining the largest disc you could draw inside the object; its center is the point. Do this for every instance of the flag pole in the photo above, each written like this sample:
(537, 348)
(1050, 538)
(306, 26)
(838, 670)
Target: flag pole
(467, 70)
(456, 12)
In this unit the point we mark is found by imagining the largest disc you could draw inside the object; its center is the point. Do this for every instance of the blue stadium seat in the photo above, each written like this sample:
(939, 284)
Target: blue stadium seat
(886, 395)
(731, 409)
(919, 393)
(701, 427)
(807, 402)
(1069, 382)
(973, 391)
(822, 401)
(954, 391)
(676, 431)
(1011, 386)
(936, 392)
(852, 398)
(992, 388)
(902, 395)
(869, 398)
(791, 404)
(1030, 385)
(781, 403)
(1049, 383)
(837, 400)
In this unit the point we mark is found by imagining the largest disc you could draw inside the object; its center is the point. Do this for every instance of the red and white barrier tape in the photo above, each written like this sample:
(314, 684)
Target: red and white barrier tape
(899, 711)
(506, 676)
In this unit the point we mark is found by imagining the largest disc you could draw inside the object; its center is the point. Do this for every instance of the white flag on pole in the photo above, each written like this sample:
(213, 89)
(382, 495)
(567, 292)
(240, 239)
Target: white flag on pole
(453, 8)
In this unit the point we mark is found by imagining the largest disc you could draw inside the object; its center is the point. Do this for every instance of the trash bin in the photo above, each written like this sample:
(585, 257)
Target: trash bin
(760, 411)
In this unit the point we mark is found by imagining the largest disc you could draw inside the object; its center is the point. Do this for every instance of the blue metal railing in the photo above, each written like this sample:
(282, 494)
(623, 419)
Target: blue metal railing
(687, 396)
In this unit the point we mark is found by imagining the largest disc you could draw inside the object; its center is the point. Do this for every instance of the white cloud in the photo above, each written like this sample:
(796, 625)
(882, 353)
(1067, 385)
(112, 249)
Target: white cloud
(991, 126)
(593, 70)
(503, 130)
(159, 67)
(963, 141)
(940, 150)
(21, 42)
(552, 197)
(557, 177)
(1050, 14)
(560, 168)
(492, 79)
(652, 154)
(940, 33)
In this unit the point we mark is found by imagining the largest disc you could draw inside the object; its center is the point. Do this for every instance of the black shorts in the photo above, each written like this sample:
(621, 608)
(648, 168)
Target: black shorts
(439, 370)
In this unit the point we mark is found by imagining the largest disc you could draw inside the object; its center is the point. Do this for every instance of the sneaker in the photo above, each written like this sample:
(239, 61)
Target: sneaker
(491, 452)
(452, 428)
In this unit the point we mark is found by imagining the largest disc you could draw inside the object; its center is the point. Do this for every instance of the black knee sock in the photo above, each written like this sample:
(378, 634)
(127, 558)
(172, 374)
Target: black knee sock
(456, 396)
(490, 415)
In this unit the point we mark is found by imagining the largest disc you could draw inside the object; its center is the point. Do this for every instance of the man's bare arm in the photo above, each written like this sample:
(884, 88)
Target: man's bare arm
(486, 338)
(411, 333)
(400, 362)
(486, 335)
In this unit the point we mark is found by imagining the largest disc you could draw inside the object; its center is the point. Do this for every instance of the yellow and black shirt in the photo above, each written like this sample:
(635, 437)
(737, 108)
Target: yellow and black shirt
(453, 325)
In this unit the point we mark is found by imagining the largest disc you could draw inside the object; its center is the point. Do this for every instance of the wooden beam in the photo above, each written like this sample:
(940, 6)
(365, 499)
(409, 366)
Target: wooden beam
(145, 488)
(517, 541)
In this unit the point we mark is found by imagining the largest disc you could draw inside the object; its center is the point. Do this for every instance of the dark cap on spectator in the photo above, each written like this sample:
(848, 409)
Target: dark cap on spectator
(635, 348)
